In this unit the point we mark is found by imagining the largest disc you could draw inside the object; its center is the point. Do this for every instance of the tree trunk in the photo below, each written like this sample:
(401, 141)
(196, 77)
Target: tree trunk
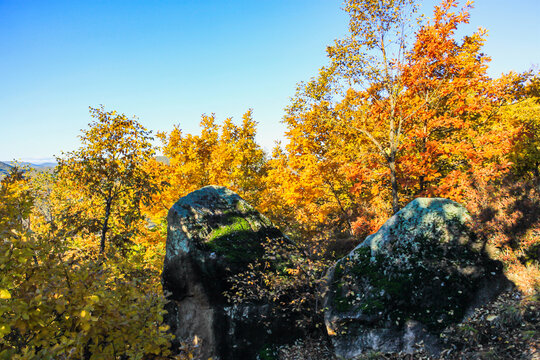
(345, 215)
(105, 224)
(393, 179)
(422, 184)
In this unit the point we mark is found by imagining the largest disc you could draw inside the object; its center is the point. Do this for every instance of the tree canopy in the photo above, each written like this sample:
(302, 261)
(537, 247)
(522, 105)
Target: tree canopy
(109, 169)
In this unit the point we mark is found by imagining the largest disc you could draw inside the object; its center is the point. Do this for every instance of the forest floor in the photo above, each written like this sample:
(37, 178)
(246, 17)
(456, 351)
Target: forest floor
(505, 329)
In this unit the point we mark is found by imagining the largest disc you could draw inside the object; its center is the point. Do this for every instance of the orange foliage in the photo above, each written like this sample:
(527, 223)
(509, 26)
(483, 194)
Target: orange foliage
(225, 155)
(456, 133)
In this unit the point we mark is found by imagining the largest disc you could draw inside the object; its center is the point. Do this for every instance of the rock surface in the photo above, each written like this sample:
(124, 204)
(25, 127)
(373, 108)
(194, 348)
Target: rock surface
(422, 271)
(212, 235)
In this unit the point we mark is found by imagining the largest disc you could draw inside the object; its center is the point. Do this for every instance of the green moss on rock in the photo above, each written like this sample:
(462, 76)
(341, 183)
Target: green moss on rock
(234, 225)
(421, 271)
(420, 280)
(235, 240)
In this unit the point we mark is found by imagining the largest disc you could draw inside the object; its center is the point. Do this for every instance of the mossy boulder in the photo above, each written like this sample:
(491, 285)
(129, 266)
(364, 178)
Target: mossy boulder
(422, 271)
(213, 234)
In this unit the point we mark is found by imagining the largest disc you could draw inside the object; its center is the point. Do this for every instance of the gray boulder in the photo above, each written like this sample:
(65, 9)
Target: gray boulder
(422, 271)
(212, 235)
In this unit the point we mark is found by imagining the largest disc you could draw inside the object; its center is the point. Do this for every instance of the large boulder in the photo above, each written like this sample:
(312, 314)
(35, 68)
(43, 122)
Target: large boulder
(422, 271)
(213, 234)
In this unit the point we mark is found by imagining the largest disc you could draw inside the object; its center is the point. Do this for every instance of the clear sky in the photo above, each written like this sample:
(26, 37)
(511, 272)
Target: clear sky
(168, 62)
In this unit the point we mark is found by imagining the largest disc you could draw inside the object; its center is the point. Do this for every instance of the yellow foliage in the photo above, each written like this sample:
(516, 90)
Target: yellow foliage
(108, 175)
(225, 155)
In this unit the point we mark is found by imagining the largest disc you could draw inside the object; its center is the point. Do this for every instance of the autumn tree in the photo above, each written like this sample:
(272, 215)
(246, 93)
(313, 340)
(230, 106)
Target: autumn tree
(369, 62)
(524, 115)
(307, 185)
(319, 172)
(418, 107)
(58, 298)
(17, 201)
(226, 155)
(58, 301)
(426, 106)
(329, 144)
(457, 136)
(109, 171)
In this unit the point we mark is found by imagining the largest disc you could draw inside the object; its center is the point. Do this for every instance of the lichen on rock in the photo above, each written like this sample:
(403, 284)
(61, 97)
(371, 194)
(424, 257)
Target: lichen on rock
(423, 270)
(213, 234)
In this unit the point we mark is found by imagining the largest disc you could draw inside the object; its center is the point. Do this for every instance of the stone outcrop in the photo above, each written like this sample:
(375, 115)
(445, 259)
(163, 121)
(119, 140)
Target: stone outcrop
(423, 270)
(212, 235)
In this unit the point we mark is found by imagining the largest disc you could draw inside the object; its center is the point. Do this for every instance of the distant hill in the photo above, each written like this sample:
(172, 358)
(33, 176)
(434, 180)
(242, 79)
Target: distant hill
(4, 169)
(47, 166)
(42, 165)
(38, 167)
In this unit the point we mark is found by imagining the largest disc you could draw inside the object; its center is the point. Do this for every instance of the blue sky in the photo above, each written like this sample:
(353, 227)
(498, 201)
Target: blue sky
(168, 62)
